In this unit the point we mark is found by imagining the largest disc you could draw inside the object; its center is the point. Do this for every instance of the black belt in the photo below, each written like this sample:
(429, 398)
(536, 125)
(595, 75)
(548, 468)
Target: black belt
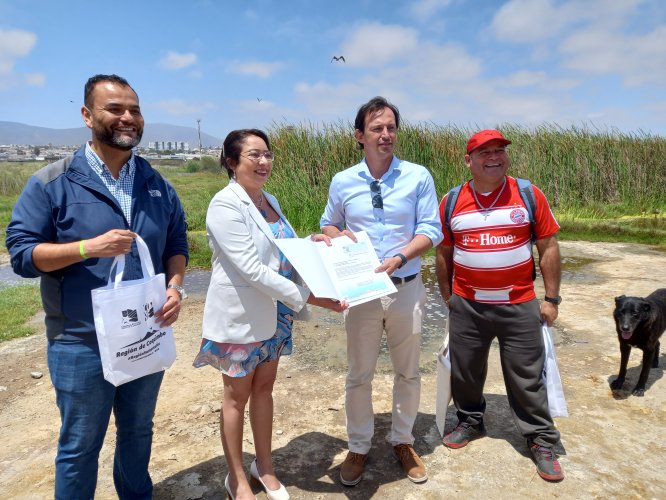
(406, 279)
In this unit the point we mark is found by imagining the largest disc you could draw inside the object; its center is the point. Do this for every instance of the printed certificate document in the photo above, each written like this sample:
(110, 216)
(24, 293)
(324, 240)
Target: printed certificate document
(343, 271)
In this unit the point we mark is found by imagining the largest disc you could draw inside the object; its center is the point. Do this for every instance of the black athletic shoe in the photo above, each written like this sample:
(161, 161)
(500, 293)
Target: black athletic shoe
(463, 434)
(546, 462)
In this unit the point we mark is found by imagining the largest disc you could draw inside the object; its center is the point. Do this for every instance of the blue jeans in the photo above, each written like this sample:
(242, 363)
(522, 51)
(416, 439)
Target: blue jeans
(85, 401)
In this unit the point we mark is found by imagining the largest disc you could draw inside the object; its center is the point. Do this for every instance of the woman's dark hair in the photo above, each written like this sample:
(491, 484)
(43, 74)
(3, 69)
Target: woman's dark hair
(373, 106)
(233, 144)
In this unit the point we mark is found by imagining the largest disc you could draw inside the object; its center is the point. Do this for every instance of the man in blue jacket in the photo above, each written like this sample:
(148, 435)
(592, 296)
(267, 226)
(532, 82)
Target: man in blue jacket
(72, 218)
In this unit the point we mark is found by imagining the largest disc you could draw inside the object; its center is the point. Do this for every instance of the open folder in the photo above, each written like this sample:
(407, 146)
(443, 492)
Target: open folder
(343, 271)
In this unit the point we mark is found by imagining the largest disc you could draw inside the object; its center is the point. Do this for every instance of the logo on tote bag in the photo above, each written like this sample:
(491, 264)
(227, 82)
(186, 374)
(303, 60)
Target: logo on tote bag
(130, 318)
(141, 348)
(148, 310)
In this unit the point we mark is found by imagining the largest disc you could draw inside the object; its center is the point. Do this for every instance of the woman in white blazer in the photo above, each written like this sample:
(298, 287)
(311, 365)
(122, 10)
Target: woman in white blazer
(253, 295)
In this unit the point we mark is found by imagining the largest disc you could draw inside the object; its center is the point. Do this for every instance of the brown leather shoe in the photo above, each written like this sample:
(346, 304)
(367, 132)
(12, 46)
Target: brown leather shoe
(351, 471)
(411, 463)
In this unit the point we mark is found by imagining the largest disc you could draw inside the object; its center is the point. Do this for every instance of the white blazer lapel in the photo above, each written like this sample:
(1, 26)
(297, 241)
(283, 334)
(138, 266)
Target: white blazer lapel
(251, 209)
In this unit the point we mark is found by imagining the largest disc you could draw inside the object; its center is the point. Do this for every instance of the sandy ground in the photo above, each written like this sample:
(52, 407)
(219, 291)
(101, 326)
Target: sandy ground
(614, 442)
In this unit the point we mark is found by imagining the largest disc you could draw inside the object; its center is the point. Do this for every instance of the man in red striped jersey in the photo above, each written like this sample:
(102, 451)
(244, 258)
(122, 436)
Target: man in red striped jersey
(485, 274)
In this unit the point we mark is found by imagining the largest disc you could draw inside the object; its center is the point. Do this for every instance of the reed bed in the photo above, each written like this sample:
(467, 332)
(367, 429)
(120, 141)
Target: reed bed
(586, 174)
(583, 172)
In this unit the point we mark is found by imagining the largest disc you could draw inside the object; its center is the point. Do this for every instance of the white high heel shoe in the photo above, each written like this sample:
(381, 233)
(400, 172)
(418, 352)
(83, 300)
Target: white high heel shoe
(280, 494)
(228, 488)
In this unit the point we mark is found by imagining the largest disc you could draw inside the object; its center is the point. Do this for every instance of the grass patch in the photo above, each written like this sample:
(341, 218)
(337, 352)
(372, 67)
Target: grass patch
(17, 305)
(200, 252)
(195, 191)
(646, 230)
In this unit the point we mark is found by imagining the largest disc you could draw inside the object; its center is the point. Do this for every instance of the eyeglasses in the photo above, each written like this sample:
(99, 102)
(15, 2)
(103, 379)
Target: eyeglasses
(377, 201)
(255, 156)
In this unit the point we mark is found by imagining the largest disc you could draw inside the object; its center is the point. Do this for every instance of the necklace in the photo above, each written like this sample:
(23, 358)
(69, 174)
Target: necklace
(259, 204)
(486, 210)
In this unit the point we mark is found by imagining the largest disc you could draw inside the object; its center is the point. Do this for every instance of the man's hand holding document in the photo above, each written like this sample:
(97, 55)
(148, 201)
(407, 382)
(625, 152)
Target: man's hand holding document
(344, 271)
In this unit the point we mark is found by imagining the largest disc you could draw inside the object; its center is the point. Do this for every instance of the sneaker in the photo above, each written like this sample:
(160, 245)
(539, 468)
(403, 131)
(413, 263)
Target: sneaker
(411, 463)
(463, 434)
(351, 471)
(546, 462)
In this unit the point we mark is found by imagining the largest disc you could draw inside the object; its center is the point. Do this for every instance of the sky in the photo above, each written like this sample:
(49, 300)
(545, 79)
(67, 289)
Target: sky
(470, 64)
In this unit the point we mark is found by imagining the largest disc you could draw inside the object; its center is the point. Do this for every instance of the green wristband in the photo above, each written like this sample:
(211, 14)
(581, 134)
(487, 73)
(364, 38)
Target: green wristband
(82, 251)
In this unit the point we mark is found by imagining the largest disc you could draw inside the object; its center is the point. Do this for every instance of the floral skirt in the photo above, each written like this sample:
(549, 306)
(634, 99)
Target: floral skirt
(239, 360)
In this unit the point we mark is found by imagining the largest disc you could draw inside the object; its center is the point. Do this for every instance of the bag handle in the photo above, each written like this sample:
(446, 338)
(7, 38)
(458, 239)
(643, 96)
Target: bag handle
(147, 267)
(444, 348)
(548, 337)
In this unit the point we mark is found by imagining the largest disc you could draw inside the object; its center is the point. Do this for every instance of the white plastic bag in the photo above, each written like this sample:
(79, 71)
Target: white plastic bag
(131, 343)
(551, 375)
(443, 384)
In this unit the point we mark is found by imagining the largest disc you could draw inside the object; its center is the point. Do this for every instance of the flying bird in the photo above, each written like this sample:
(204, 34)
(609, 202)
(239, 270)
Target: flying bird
(338, 58)
(258, 99)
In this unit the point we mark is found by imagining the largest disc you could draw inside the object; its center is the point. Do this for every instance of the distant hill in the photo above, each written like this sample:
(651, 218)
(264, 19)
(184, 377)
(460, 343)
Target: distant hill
(20, 133)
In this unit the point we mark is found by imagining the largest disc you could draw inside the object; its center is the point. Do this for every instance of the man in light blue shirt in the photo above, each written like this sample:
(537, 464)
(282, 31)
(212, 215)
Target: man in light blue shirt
(395, 203)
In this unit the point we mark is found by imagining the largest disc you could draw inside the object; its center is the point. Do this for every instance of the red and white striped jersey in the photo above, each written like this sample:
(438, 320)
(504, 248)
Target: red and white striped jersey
(492, 260)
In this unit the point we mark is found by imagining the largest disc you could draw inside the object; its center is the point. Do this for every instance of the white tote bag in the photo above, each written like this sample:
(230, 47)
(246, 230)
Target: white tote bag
(443, 384)
(551, 375)
(131, 343)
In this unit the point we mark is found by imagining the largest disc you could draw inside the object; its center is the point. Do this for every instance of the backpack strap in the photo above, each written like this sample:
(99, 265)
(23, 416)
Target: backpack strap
(451, 200)
(527, 195)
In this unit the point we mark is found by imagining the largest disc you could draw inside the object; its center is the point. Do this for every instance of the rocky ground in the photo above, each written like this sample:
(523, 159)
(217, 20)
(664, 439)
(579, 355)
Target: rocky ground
(614, 442)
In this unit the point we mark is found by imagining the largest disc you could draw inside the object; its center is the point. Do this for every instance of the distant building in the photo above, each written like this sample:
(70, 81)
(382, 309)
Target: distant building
(169, 145)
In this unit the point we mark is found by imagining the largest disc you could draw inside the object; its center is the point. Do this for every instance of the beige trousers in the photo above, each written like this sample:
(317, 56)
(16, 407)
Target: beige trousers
(400, 316)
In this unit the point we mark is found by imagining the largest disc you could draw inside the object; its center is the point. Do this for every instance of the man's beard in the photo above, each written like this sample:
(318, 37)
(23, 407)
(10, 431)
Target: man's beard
(116, 140)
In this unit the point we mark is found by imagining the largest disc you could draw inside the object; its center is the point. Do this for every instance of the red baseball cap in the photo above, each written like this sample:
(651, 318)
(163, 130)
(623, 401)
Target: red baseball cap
(483, 136)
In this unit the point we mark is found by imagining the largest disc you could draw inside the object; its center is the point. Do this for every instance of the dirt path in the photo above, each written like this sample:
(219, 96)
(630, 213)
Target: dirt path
(615, 444)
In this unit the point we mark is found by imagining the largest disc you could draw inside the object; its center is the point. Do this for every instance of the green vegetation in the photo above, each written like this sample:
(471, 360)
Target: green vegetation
(611, 173)
(603, 186)
(646, 230)
(205, 164)
(17, 305)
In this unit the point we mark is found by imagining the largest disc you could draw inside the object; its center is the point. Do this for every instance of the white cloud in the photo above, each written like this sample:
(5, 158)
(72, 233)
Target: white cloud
(637, 59)
(433, 80)
(588, 37)
(15, 44)
(424, 10)
(35, 79)
(256, 68)
(527, 21)
(179, 107)
(541, 79)
(324, 100)
(530, 21)
(175, 60)
(376, 44)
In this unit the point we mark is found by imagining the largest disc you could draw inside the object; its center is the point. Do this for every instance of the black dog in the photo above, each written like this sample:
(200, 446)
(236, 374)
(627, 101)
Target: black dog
(639, 323)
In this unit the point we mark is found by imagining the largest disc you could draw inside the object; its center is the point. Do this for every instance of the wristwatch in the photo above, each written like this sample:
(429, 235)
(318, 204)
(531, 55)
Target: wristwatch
(403, 259)
(553, 300)
(180, 290)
